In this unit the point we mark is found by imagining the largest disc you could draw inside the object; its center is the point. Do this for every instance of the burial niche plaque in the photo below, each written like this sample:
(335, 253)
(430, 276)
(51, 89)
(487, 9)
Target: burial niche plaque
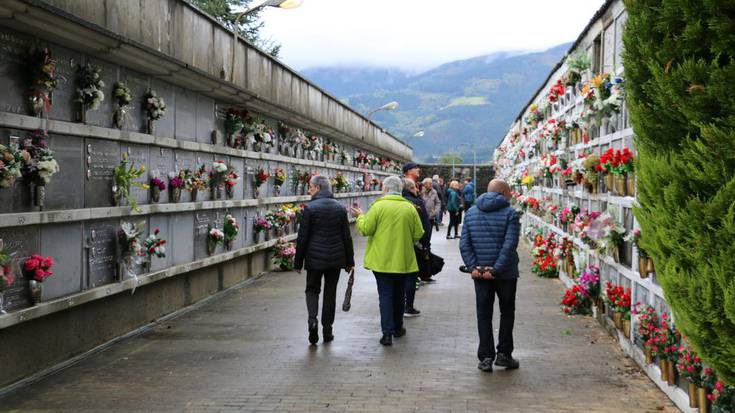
(21, 243)
(101, 245)
(101, 159)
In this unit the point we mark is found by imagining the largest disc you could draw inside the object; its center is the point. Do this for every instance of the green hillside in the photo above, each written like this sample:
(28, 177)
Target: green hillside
(469, 101)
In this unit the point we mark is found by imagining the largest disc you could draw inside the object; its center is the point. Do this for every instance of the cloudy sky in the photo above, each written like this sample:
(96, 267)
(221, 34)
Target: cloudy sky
(419, 34)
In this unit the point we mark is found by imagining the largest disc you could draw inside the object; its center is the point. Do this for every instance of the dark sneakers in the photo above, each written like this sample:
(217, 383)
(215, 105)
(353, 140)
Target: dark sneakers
(486, 365)
(507, 361)
(313, 333)
(400, 333)
(387, 340)
(411, 312)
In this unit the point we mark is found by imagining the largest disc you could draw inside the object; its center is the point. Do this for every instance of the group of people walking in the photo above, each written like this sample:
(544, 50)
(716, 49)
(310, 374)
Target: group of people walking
(399, 226)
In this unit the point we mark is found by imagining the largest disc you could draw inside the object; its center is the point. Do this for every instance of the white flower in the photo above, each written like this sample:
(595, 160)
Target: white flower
(219, 167)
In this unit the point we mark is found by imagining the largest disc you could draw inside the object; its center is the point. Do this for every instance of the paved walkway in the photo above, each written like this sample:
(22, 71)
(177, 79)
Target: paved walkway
(248, 352)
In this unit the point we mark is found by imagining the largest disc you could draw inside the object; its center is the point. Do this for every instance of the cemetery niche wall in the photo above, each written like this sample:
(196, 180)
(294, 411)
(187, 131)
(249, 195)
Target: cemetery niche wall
(127, 193)
(570, 158)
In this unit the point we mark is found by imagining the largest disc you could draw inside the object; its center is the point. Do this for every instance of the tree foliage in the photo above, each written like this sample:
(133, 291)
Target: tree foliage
(249, 26)
(680, 77)
(450, 158)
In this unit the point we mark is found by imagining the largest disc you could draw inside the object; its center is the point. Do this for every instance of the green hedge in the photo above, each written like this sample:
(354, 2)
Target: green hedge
(680, 79)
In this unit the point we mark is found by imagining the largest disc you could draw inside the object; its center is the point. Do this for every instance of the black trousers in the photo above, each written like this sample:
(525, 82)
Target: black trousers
(392, 298)
(455, 218)
(313, 288)
(485, 292)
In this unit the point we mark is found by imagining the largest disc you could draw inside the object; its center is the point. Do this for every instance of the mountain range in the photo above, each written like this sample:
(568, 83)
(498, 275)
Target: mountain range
(470, 102)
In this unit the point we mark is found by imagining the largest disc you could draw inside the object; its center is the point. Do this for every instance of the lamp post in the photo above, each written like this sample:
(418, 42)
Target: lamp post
(388, 106)
(281, 4)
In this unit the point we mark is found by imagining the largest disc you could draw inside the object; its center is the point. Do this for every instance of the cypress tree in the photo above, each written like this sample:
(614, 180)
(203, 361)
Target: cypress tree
(680, 79)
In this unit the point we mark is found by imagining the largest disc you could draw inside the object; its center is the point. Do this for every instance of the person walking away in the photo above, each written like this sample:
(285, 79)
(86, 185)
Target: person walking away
(323, 247)
(488, 245)
(432, 202)
(438, 184)
(392, 226)
(454, 208)
(468, 194)
(421, 249)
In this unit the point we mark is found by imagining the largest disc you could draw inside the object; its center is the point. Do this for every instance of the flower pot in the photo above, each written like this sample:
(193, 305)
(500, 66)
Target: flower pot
(649, 265)
(626, 328)
(600, 305)
(37, 103)
(230, 191)
(277, 190)
(693, 402)
(194, 193)
(211, 246)
(630, 185)
(83, 114)
(216, 193)
(609, 180)
(671, 373)
(664, 370)
(155, 193)
(149, 127)
(174, 195)
(40, 197)
(35, 289)
(642, 264)
(616, 254)
(702, 401)
(228, 244)
(256, 190)
(618, 320)
(649, 355)
(118, 118)
(620, 185)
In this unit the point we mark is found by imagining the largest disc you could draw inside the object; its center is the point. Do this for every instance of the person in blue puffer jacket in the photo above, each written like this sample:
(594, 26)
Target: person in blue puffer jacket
(488, 245)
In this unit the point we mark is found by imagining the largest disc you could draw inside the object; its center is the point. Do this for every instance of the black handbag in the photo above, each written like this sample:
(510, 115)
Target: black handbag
(436, 264)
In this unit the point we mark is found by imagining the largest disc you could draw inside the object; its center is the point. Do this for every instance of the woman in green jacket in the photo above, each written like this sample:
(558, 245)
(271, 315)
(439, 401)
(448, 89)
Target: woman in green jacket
(454, 207)
(392, 226)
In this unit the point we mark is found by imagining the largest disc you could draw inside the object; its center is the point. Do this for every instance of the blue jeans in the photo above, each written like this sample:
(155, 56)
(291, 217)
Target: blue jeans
(391, 293)
(439, 216)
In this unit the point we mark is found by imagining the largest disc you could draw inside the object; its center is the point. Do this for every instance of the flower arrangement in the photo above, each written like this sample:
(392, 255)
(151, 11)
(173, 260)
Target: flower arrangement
(340, 182)
(618, 298)
(260, 225)
(284, 253)
(544, 258)
(129, 240)
(125, 177)
(234, 124)
(279, 178)
(154, 246)
(722, 397)
(155, 108)
(195, 181)
(590, 280)
(576, 65)
(257, 133)
(89, 92)
(44, 80)
(38, 267)
(12, 159)
(157, 185)
(40, 164)
(569, 214)
(608, 233)
(215, 237)
(218, 177)
(231, 180)
(231, 229)
(576, 301)
(689, 365)
(176, 184)
(123, 97)
(557, 91)
(261, 177)
(7, 275)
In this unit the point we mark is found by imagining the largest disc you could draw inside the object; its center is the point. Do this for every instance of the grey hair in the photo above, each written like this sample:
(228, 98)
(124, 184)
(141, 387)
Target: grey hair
(322, 182)
(435, 177)
(393, 184)
(427, 180)
(409, 184)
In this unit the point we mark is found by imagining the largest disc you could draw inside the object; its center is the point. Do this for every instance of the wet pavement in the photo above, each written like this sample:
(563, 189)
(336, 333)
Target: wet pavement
(248, 351)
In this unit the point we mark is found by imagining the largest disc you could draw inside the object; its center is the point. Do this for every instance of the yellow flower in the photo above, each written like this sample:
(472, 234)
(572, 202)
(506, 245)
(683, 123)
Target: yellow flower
(146, 186)
(142, 168)
(597, 81)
